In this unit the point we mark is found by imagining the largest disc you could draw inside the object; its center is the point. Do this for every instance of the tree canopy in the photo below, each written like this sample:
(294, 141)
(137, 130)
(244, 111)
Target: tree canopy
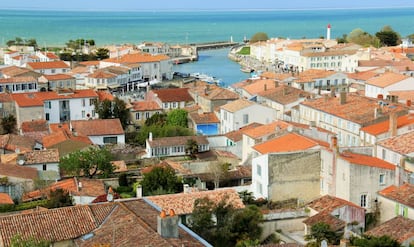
(59, 198)
(20, 241)
(177, 117)
(107, 109)
(260, 36)
(322, 231)
(371, 241)
(90, 162)
(161, 180)
(22, 42)
(9, 124)
(388, 37)
(360, 37)
(231, 226)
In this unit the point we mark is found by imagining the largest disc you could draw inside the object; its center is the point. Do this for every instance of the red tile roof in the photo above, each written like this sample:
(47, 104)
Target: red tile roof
(173, 95)
(41, 156)
(5, 199)
(37, 98)
(237, 135)
(17, 79)
(365, 160)
(402, 144)
(183, 203)
(35, 125)
(329, 203)
(384, 126)
(386, 79)
(57, 77)
(98, 127)
(403, 194)
(104, 95)
(205, 117)
(266, 129)
(11, 170)
(287, 143)
(284, 94)
(48, 65)
(145, 106)
(237, 105)
(357, 109)
(362, 75)
(398, 228)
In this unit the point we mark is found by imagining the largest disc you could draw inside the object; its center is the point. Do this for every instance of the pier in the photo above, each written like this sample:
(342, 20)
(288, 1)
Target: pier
(214, 45)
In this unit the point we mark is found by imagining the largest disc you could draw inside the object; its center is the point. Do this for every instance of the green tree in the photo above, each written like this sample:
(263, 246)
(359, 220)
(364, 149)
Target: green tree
(260, 36)
(59, 198)
(156, 119)
(107, 109)
(371, 241)
(231, 226)
(388, 37)
(20, 241)
(178, 117)
(102, 53)
(9, 124)
(89, 163)
(91, 42)
(322, 231)
(360, 37)
(161, 180)
(161, 131)
(191, 148)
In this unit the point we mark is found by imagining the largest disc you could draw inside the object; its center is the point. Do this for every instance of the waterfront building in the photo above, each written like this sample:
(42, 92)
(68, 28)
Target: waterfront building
(125, 77)
(49, 68)
(381, 85)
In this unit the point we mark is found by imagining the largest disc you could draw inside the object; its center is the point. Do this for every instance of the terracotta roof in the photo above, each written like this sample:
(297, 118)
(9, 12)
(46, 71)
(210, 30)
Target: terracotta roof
(145, 106)
(104, 95)
(37, 98)
(89, 187)
(384, 126)
(398, 228)
(237, 105)
(325, 217)
(357, 109)
(404, 95)
(102, 74)
(284, 94)
(50, 55)
(287, 143)
(90, 63)
(35, 125)
(13, 71)
(362, 75)
(98, 127)
(237, 135)
(137, 58)
(11, 170)
(211, 92)
(266, 129)
(14, 142)
(6, 98)
(41, 156)
(313, 74)
(386, 79)
(402, 144)
(365, 160)
(205, 117)
(57, 77)
(403, 194)
(22, 79)
(61, 135)
(177, 140)
(329, 203)
(173, 95)
(48, 65)
(183, 203)
(5, 199)
(329, 53)
(259, 85)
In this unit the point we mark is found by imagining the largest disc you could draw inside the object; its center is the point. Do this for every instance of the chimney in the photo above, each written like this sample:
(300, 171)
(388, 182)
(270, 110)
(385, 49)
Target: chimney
(265, 87)
(167, 225)
(139, 191)
(342, 98)
(186, 188)
(276, 83)
(333, 92)
(334, 143)
(408, 102)
(393, 124)
(380, 96)
(150, 136)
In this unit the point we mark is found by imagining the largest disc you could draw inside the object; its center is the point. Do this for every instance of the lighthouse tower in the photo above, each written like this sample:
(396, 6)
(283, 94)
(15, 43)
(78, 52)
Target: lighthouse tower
(328, 32)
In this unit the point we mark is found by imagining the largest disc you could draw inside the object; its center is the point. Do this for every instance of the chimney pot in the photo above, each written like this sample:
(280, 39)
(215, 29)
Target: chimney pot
(163, 214)
(172, 212)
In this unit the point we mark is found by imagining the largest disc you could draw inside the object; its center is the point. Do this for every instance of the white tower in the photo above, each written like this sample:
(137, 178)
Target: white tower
(328, 32)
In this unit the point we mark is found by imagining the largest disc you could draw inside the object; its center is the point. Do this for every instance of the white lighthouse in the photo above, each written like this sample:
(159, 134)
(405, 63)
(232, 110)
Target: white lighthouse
(328, 32)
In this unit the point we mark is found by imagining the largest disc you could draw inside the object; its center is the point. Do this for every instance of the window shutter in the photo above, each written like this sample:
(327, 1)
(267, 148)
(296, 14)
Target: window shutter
(397, 208)
(405, 212)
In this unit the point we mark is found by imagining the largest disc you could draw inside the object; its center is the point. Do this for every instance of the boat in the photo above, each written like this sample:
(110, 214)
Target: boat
(246, 69)
(206, 78)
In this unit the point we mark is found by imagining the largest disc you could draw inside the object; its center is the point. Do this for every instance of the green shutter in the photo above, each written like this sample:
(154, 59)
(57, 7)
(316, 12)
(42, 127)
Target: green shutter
(405, 212)
(397, 208)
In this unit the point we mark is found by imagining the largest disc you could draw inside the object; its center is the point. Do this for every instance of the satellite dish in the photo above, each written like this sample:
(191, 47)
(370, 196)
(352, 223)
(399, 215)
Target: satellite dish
(20, 162)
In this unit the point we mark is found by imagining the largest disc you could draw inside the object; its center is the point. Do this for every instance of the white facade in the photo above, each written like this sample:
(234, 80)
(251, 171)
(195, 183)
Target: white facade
(230, 121)
(260, 176)
(404, 85)
(107, 139)
(391, 208)
(65, 109)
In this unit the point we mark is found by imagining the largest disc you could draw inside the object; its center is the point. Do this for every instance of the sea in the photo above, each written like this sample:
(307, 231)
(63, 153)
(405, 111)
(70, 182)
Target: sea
(57, 27)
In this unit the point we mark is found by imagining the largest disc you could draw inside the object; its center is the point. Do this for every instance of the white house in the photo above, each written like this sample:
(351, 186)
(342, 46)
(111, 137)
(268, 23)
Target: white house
(241, 112)
(395, 201)
(382, 84)
(18, 84)
(99, 131)
(173, 146)
(49, 68)
(396, 149)
(45, 161)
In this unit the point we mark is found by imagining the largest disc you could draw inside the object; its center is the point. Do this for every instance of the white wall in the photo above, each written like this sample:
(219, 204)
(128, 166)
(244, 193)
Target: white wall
(260, 182)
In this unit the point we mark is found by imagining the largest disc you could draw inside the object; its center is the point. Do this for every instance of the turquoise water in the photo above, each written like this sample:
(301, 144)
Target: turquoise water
(57, 27)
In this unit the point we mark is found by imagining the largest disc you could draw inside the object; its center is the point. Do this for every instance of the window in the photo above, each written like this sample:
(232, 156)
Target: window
(47, 117)
(110, 140)
(147, 115)
(364, 200)
(83, 102)
(382, 179)
(401, 210)
(48, 105)
(245, 118)
(384, 154)
(259, 188)
(137, 116)
(83, 114)
(259, 170)
(44, 167)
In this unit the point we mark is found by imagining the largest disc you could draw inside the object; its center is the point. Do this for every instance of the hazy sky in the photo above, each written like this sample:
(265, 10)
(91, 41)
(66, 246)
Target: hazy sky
(197, 4)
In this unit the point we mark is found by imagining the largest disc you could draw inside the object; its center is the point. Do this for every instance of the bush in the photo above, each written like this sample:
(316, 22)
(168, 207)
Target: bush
(123, 189)
(123, 180)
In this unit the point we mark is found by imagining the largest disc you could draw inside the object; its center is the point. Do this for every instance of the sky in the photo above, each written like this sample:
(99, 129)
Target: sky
(134, 5)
